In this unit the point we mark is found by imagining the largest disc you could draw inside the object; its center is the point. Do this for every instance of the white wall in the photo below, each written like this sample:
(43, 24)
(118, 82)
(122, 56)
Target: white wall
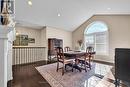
(66, 36)
(40, 41)
(32, 33)
(44, 41)
(41, 36)
(51, 32)
(119, 32)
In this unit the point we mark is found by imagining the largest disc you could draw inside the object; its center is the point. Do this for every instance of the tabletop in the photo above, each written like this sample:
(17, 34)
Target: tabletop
(74, 53)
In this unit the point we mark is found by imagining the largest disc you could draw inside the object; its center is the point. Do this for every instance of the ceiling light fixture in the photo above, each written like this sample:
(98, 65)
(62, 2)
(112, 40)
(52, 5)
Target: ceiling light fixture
(29, 2)
(108, 8)
(59, 14)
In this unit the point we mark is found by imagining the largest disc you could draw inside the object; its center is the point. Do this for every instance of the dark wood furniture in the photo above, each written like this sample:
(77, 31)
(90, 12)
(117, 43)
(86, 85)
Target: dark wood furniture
(62, 59)
(75, 55)
(52, 44)
(87, 59)
(84, 58)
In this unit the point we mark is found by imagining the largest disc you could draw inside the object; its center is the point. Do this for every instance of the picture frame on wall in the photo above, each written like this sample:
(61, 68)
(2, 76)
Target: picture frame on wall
(24, 40)
(21, 40)
(31, 40)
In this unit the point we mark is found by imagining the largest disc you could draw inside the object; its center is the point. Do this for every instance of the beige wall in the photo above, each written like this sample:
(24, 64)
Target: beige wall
(119, 32)
(32, 33)
(66, 36)
(41, 36)
(40, 41)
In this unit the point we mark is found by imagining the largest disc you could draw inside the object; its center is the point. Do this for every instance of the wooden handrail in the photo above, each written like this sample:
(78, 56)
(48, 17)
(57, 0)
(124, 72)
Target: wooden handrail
(26, 47)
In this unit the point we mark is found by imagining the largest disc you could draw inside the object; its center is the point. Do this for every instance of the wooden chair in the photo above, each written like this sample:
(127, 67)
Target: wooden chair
(62, 59)
(91, 52)
(87, 58)
(66, 49)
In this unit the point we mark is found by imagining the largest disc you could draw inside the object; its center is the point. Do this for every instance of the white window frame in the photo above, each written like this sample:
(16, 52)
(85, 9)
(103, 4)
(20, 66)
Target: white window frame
(94, 34)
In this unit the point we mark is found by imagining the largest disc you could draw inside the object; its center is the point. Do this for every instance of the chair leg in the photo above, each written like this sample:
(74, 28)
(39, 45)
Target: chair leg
(63, 69)
(85, 66)
(117, 82)
(81, 64)
(57, 66)
(72, 67)
(89, 63)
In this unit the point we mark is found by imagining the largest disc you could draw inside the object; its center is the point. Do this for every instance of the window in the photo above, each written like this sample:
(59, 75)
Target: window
(96, 35)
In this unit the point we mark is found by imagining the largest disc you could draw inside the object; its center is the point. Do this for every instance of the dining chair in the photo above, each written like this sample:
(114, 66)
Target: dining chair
(90, 54)
(62, 59)
(87, 58)
(66, 49)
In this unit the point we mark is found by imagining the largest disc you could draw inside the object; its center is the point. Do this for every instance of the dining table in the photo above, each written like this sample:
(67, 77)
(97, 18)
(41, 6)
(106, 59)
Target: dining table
(75, 55)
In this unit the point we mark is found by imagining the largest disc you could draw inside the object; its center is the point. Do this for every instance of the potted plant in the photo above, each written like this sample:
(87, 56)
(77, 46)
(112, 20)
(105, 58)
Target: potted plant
(80, 43)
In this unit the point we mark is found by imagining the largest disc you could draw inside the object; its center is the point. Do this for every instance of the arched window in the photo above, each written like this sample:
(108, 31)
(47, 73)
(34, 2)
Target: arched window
(96, 35)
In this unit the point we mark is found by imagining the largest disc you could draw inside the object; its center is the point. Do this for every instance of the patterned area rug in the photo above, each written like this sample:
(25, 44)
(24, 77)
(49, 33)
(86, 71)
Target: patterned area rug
(75, 78)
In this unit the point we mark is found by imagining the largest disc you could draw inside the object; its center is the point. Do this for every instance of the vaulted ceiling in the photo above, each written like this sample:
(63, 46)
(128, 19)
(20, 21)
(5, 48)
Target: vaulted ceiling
(72, 12)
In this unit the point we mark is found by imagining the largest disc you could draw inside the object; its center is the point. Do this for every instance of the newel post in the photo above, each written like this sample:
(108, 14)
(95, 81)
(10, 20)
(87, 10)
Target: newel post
(6, 38)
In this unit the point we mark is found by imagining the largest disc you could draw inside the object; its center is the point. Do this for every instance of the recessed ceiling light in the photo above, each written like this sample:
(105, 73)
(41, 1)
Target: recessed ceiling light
(29, 2)
(59, 15)
(108, 8)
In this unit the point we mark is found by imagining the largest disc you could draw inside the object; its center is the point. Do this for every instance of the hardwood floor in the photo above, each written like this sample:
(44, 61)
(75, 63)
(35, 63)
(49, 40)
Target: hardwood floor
(27, 76)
